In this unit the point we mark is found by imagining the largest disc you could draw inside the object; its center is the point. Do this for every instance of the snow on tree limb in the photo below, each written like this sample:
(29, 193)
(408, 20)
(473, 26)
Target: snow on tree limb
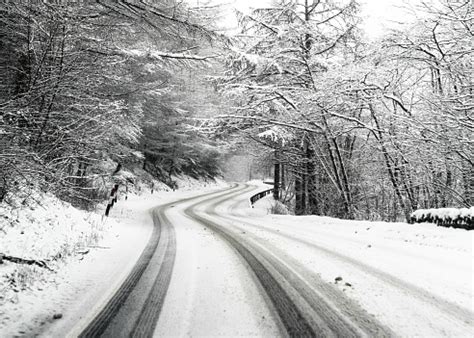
(270, 121)
(154, 55)
(275, 134)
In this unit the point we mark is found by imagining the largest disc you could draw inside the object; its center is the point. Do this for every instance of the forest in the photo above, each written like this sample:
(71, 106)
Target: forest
(353, 127)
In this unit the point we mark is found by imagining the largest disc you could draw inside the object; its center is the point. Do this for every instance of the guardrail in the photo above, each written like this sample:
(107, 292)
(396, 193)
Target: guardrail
(257, 196)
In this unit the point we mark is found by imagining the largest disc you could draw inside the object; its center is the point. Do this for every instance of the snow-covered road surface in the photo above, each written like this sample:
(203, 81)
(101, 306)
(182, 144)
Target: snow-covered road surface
(135, 307)
(305, 305)
(212, 291)
(415, 279)
(215, 267)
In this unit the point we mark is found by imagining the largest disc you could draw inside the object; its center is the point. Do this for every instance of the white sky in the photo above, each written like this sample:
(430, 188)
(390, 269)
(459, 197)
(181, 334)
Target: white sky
(378, 14)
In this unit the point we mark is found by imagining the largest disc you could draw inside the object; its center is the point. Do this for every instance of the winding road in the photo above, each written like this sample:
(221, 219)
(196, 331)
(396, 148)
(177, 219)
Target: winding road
(162, 295)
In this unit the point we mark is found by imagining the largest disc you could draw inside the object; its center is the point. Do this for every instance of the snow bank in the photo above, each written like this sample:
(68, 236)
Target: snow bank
(49, 231)
(186, 183)
(266, 183)
(448, 217)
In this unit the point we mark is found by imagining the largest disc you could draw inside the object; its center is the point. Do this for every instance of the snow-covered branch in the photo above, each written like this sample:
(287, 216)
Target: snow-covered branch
(292, 125)
(154, 55)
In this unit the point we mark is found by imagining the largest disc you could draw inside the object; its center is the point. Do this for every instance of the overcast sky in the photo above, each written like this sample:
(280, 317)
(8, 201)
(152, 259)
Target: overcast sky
(378, 14)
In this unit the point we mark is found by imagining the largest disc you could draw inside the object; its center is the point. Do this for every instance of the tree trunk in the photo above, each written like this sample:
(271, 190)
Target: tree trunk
(300, 198)
(313, 203)
(390, 169)
(282, 177)
(276, 182)
(468, 185)
(345, 182)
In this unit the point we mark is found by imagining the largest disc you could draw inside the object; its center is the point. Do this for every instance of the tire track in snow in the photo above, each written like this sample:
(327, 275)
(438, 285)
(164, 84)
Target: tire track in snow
(302, 311)
(146, 323)
(160, 247)
(443, 305)
(293, 320)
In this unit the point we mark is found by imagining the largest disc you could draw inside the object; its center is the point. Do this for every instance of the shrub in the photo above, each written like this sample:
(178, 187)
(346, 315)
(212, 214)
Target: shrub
(279, 208)
(448, 217)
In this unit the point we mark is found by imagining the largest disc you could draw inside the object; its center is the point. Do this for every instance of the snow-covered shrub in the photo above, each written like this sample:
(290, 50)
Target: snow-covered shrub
(279, 208)
(448, 217)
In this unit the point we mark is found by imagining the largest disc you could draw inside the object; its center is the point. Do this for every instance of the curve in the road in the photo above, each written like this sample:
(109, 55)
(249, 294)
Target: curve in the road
(302, 311)
(162, 243)
(294, 322)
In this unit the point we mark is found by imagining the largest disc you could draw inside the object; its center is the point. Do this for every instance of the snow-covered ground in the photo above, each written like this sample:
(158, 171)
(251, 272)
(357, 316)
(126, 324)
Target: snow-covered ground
(90, 256)
(416, 279)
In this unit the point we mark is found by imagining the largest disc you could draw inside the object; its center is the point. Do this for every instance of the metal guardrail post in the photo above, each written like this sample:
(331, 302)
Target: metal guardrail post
(112, 199)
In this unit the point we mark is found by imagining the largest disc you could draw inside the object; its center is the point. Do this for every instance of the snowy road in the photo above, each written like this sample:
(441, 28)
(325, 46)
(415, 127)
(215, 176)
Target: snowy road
(300, 301)
(213, 266)
(416, 280)
(134, 308)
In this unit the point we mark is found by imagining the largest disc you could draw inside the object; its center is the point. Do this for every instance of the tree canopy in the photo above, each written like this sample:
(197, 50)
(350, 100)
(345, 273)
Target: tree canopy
(358, 128)
(87, 83)
(354, 128)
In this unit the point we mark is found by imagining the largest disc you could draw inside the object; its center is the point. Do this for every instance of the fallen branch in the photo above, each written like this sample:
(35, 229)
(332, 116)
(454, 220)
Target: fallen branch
(98, 247)
(19, 260)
